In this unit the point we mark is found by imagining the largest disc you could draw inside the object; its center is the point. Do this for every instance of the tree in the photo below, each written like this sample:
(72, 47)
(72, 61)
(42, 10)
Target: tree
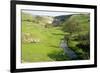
(71, 26)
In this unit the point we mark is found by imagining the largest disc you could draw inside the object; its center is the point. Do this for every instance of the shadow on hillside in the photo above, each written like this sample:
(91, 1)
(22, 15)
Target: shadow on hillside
(58, 56)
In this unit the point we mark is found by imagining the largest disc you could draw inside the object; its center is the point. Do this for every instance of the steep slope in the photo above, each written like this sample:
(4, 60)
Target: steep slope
(60, 19)
(78, 27)
(77, 21)
(37, 19)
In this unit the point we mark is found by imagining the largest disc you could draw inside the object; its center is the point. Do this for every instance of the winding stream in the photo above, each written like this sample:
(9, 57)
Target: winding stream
(70, 53)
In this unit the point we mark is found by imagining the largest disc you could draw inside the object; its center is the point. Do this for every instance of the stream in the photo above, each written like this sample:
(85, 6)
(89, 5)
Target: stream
(70, 53)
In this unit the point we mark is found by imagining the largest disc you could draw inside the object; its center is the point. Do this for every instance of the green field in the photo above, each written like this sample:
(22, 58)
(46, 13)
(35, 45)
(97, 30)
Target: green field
(40, 40)
(48, 45)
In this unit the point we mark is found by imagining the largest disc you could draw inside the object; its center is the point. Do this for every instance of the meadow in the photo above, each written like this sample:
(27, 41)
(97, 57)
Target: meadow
(41, 39)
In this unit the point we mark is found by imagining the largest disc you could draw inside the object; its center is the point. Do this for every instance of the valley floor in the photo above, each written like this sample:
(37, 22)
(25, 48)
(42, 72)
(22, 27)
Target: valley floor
(47, 49)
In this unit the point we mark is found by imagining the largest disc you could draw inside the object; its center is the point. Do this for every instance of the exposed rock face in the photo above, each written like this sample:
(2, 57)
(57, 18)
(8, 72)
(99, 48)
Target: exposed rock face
(29, 38)
(48, 19)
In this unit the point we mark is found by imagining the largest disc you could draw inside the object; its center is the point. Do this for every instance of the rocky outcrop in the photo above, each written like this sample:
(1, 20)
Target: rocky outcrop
(29, 38)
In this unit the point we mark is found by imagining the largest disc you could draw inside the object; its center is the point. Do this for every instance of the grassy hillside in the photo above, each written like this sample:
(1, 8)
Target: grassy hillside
(40, 43)
(41, 40)
(78, 27)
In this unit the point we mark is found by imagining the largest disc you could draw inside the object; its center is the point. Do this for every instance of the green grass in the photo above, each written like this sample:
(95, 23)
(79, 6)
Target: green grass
(46, 48)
